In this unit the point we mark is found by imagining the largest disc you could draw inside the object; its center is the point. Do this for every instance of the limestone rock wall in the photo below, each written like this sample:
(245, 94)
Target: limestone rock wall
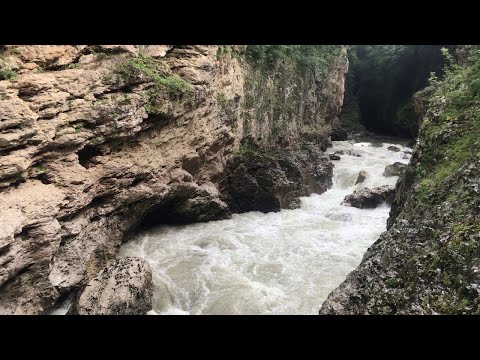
(95, 140)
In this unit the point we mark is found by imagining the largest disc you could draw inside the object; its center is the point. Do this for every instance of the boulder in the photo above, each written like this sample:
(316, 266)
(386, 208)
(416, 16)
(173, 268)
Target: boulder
(123, 288)
(393, 148)
(370, 198)
(395, 169)
(262, 182)
(353, 153)
(362, 175)
(334, 157)
(339, 133)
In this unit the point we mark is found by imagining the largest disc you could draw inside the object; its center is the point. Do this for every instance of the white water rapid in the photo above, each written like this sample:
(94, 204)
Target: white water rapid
(276, 263)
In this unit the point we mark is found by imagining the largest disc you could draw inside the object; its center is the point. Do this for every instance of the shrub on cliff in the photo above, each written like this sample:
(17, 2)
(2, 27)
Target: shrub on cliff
(143, 67)
(452, 122)
(304, 56)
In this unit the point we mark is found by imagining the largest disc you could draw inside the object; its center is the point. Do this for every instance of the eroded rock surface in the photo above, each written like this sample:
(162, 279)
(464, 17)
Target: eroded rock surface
(122, 288)
(274, 181)
(370, 198)
(396, 169)
(428, 260)
(96, 140)
(393, 148)
(362, 176)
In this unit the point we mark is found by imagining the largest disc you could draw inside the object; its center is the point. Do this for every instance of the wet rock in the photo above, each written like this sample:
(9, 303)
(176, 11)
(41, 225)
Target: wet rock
(427, 262)
(362, 175)
(353, 153)
(370, 198)
(334, 157)
(339, 152)
(86, 158)
(257, 182)
(411, 143)
(201, 209)
(339, 217)
(409, 270)
(395, 169)
(122, 288)
(338, 133)
(393, 148)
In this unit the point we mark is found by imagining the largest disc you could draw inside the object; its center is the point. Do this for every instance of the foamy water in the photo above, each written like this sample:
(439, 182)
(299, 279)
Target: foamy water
(277, 263)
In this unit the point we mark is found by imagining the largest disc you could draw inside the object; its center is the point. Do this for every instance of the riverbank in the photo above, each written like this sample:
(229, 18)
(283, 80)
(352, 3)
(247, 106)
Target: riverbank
(284, 262)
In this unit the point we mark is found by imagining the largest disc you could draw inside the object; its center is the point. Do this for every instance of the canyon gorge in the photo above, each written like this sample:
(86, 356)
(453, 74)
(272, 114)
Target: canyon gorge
(239, 179)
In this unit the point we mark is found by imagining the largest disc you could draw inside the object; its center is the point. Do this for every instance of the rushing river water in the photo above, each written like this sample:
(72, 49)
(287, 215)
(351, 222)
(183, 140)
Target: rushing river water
(276, 263)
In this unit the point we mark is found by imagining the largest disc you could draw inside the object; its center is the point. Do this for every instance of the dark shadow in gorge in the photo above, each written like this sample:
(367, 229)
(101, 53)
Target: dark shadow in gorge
(183, 204)
(381, 82)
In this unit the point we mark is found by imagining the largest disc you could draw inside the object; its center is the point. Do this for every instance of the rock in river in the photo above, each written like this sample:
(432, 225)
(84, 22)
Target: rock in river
(353, 153)
(395, 169)
(393, 148)
(370, 198)
(362, 175)
(123, 288)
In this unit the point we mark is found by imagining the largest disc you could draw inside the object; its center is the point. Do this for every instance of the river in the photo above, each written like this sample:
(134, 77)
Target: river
(277, 263)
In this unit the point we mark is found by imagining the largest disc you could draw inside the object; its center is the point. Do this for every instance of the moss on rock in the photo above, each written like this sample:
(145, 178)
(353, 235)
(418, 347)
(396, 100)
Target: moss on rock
(428, 262)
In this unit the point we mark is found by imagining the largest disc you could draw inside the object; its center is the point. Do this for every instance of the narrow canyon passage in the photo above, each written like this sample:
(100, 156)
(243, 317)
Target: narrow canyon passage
(276, 263)
(117, 159)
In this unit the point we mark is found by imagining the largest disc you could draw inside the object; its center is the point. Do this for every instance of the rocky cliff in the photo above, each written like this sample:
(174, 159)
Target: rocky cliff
(98, 140)
(428, 262)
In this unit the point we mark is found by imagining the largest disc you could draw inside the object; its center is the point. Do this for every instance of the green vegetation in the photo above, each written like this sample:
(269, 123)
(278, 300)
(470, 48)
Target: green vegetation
(96, 141)
(317, 57)
(406, 120)
(223, 50)
(222, 100)
(382, 80)
(78, 129)
(278, 128)
(152, 105)
(351, 116)
(125, 100)
(452, 124)
(442, 211)
(39, 169)
(279, 78)
(237, 52)
(451, 262)
(74, 65)
(248, 149)
(108, 78)
(143, 67)
(394, 282)
(100, 56)
(7, 74)
(227, 106)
